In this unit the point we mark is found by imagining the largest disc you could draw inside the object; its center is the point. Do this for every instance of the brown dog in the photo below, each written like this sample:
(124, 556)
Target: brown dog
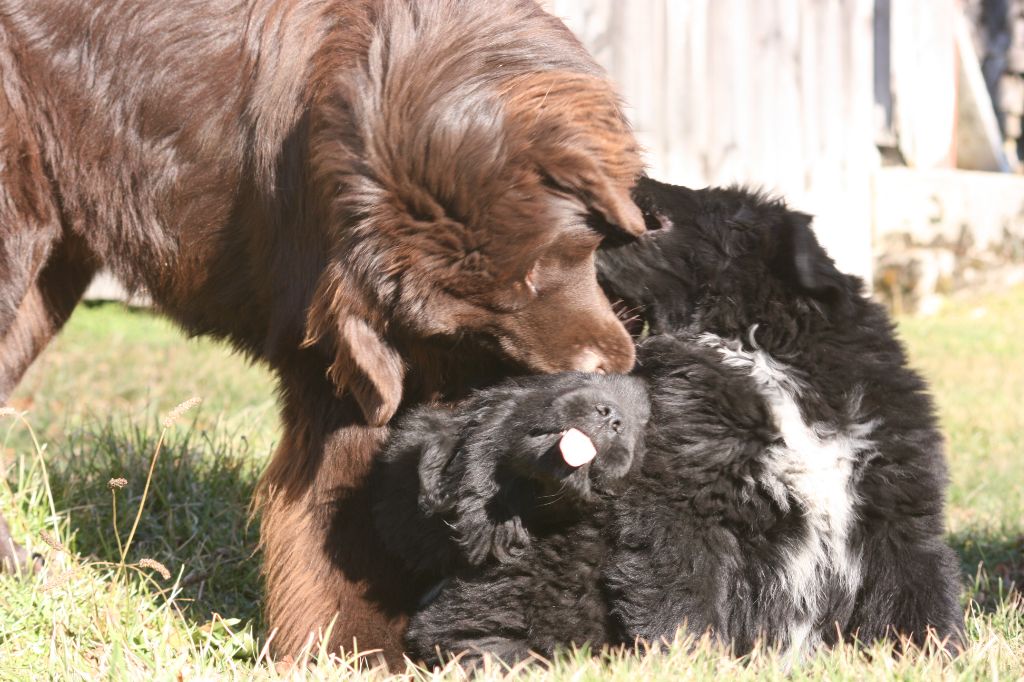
(385, 200)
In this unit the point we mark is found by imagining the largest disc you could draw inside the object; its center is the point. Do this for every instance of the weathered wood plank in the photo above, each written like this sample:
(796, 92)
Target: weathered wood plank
(772, 93)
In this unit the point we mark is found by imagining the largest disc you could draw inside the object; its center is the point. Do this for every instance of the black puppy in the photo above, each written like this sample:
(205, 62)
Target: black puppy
(792, 485)
(503, 502)
(793, 488)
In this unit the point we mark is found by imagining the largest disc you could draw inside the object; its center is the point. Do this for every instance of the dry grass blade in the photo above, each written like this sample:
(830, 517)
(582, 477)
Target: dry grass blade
(169, 420)
(116, 484)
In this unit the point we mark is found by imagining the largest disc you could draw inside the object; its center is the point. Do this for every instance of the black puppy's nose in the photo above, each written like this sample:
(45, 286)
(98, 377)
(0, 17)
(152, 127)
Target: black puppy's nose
(610, 416)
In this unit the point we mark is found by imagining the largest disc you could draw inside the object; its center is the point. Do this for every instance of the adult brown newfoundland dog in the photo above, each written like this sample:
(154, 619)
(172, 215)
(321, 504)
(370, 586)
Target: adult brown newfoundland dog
(384, 200)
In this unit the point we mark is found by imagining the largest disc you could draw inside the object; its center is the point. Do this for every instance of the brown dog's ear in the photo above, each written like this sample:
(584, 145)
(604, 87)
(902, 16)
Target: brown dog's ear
(370, 368)
(579, 175)
(617, 207)
(364, 363)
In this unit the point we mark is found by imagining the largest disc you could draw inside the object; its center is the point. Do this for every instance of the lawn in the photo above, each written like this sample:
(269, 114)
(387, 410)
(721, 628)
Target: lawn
(184, 602)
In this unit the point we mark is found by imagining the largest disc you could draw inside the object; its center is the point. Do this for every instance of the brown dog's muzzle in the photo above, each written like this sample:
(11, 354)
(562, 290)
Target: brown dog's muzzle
(612, 353)
(558, 338)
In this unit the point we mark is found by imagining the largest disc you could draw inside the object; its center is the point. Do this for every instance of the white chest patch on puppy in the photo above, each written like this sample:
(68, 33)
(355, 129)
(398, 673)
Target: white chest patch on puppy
(813, 464)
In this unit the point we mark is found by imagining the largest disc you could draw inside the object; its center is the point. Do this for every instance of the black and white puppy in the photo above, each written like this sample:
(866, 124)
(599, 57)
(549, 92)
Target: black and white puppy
(503, 503)
(811, 512)
(790, 489)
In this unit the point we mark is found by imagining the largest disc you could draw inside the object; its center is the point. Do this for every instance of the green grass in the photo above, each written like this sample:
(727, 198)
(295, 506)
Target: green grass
(96, 400)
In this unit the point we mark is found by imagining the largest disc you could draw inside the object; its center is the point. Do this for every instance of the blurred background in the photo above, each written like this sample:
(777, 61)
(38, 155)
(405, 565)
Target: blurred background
(896, 122)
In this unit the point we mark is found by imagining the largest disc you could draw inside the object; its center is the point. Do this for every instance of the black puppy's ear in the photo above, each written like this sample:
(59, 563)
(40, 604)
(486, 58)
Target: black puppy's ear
(438, 483)
(801, 260)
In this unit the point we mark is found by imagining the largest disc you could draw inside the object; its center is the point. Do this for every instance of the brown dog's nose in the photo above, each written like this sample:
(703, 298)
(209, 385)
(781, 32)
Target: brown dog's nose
(590, 361)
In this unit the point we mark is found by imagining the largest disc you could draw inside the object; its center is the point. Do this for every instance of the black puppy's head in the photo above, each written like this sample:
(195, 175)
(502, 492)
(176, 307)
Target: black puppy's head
(558, 416)
(512, 452)
(722, 260)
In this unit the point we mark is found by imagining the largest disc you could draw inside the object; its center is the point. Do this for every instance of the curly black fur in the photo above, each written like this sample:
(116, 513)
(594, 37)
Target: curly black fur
(790, 489)
(482, 500)
(704, 533)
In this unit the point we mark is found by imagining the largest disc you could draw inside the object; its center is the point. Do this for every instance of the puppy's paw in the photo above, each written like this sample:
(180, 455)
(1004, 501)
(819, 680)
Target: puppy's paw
(506, 652)
(510, 539)
(503, 540)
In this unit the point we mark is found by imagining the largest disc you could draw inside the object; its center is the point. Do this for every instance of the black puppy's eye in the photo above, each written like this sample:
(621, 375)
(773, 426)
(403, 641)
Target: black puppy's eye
(604, 410)
(655, 221)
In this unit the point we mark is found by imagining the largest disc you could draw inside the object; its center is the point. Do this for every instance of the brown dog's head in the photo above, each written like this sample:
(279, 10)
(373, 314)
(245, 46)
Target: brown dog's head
(469, 180)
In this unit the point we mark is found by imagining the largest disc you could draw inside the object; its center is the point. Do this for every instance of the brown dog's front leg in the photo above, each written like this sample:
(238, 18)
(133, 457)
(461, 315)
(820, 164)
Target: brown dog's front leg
(324, 565)
(46, 305)
(24, 332)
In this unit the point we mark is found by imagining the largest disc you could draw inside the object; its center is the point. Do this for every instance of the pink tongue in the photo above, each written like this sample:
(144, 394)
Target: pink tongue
(576, 448)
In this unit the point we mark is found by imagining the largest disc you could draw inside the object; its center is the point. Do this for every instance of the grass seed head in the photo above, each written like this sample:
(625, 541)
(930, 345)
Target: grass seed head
(53, 542)
(117, 483)
(156, 566)
(181, 409)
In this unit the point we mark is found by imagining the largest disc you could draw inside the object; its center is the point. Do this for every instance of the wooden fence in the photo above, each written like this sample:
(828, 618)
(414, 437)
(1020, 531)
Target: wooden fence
(772, 93)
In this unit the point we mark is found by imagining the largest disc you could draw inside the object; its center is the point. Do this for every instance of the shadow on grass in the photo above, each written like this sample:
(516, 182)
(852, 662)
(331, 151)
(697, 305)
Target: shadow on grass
(196, 519)
(993, 564)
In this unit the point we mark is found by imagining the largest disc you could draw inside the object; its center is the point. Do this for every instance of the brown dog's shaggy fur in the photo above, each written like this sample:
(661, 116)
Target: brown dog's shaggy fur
(378, 198)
